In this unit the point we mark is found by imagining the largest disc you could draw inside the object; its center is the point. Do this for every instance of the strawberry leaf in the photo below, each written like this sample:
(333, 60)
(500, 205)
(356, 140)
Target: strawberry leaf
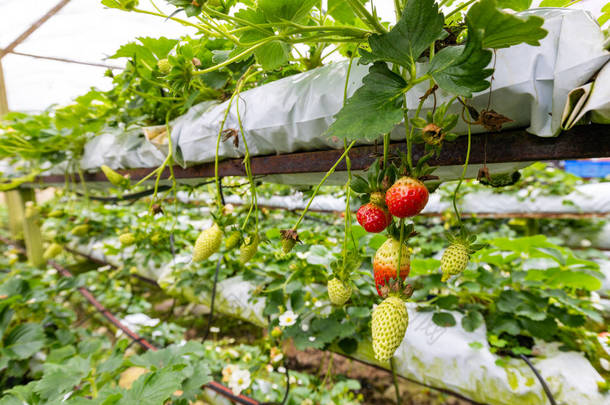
(374, 108)
(419, 26)
(520, 5)
(501, 30)
(462, 69)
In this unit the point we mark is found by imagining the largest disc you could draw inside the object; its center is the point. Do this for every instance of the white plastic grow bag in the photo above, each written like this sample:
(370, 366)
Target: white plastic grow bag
(531, 86)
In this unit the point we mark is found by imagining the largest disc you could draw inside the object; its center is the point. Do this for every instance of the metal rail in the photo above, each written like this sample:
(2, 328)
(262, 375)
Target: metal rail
(581, 142)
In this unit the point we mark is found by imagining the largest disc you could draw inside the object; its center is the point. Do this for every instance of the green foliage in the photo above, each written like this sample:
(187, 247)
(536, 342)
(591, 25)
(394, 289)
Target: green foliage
(420, 25)
(502, 30)
(462, 69)
(374, 108)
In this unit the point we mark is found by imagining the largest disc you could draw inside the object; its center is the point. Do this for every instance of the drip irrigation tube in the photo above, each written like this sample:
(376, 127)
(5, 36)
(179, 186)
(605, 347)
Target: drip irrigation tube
(545, 387)
(217, 387)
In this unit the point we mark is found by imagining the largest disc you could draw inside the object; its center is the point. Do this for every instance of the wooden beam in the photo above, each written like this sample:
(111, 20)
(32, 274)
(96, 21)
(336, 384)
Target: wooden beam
(3, 97)
(33, 27)
(587, 141)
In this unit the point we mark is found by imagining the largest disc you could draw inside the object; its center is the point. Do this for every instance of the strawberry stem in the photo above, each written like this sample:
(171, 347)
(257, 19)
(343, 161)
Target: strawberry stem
(457, 213)
(248, 168)
(401, 241)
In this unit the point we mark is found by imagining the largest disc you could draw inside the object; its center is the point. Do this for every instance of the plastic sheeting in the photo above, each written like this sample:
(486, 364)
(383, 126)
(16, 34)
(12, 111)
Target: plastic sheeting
(591, 100)
(531, 86)
(441, 357)
(121, 150)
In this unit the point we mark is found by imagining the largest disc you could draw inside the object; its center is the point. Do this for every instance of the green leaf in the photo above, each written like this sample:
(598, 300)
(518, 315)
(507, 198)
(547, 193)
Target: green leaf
(447, 302)
(271, 55)
(158, 46)
(292, 10)
(541, 329)
(462, 69)
(358, 312)
(199, 376)
(443, 319)
(476, 345)
(605, 15)
(374, 109)
(341, 11)
(501, 30)
(472, 321)
(518, 5)
(419, 26)
(6, 314)
(550, 3)
(24, 340)
(424, 266)
(153, 388)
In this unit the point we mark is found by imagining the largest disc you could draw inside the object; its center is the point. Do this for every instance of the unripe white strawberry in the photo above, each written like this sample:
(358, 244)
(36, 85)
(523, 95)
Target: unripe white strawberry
(207, 243)
(338, 292)
(248, 249)
(454, 260)
(390, 321)
(80, 230)
(53, 250)
(114, 177)
(127, 239)
(164, 66)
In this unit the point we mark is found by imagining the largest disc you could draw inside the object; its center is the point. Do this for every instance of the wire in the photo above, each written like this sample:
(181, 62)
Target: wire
(545, 387)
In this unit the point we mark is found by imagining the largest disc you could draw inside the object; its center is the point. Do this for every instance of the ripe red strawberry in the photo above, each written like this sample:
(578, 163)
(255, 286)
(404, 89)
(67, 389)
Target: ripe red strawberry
(407, 197)
(373, 217)
(385, 263)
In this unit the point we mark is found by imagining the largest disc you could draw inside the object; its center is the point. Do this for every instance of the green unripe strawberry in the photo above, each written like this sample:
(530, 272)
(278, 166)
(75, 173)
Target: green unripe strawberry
(114, 177)
(232, 240)
(290, 237)
(454, 260)
(53, 250)
(207, 243)
(287, 245)
(248, 249)
(80, 230)
(127, 239)
(338, 292)
(55, 214)
(164, 66)
(276, 332)
(390, 321)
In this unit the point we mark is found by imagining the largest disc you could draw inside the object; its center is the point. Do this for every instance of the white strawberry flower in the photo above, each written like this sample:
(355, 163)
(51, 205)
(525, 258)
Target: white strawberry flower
(288, 318)
(239, 381)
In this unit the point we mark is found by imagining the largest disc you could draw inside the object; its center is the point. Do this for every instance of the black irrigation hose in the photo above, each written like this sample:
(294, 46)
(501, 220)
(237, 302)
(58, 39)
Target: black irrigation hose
(211, 315)
(127, 197)
(285, 393)
(545, 387)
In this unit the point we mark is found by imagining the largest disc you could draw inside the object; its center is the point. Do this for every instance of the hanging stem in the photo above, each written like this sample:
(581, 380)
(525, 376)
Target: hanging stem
(386, 149)
(326, 176)
(457, 213)
(247, 164)
(238, 88)
(395, 379)
(348, 165)
(401, 241)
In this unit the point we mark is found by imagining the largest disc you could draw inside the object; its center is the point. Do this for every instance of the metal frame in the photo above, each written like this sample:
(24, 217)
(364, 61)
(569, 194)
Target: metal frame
(581, 142)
